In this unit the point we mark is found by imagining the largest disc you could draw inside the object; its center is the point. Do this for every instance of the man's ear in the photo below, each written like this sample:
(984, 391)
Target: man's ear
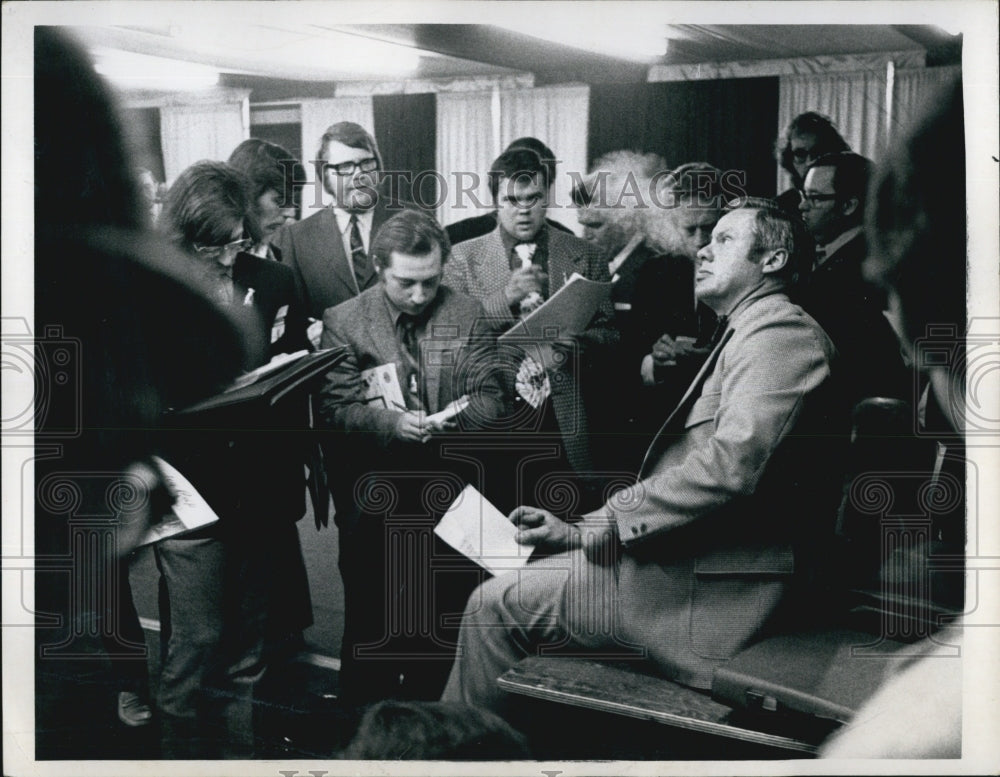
(850, 206)
(775, 261)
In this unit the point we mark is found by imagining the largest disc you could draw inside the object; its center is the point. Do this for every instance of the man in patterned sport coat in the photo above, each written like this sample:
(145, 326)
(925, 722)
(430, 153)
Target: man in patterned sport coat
(521, 262)
(400, 581)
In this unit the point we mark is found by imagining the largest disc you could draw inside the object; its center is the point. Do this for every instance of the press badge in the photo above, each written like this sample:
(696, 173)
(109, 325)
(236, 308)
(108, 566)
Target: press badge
(278, 327)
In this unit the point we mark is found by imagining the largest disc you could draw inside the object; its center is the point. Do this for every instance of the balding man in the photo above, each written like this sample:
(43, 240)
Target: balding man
(692, 562)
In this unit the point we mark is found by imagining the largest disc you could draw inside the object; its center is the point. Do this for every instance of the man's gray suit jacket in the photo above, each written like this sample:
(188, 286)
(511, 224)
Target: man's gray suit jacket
(740, 479)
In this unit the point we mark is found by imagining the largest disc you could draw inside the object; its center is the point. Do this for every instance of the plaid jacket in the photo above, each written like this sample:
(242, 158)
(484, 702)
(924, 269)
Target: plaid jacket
(481, 268)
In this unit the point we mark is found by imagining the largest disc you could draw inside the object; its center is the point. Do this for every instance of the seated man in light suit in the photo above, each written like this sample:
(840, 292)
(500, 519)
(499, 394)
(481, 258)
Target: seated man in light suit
(691, 562)
(513, 269)
(431, 337)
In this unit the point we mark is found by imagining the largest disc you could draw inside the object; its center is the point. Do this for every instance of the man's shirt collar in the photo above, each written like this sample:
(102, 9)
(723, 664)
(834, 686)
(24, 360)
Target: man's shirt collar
(839, 242)
(509, 241)
(365, 219)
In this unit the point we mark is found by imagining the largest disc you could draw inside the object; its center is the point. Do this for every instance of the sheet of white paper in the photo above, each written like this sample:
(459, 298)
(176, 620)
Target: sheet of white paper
(453, 409)
(474, 527)
(190, 510)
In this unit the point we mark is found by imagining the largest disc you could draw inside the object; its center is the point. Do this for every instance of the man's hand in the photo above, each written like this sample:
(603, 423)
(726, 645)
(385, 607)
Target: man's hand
(541, 528)
(410, 427)
(667, 351)
(441, 426)
(523, 281)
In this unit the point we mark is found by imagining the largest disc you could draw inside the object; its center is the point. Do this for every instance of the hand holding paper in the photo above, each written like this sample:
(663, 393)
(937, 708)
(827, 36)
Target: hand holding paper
(540, 527)
(444, 420)
(476, 528)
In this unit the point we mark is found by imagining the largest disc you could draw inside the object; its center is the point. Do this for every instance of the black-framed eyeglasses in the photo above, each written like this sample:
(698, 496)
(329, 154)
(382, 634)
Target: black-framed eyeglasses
(369, 165)
(802, 154)
(812, 199)
(236, 246)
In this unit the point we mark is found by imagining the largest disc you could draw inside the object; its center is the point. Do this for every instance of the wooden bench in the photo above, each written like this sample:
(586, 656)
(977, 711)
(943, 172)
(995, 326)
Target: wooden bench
(623, 689)
(791, 691)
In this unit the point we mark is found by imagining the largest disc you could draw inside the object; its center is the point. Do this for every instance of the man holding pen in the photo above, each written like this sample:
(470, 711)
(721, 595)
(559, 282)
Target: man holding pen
(421, 342)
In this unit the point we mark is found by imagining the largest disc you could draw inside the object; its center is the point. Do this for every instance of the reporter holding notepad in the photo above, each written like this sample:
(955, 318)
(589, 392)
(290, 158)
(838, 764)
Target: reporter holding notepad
(416, 349)
(233, 592)
(512, 270)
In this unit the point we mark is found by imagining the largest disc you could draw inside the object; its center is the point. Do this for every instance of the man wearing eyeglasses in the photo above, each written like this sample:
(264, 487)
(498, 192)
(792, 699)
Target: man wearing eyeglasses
(512, 271)
(329, 251)
(832, 204)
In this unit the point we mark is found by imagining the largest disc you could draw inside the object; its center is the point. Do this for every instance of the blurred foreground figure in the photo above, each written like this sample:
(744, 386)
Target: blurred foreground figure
(122, 333)
(432, 731)
(916, 229)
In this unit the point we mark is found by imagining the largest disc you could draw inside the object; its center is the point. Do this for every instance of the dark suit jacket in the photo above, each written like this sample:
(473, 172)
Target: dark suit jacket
(661, 300)
(850, 311)
(314, 250)
(481, 268)
(251, 469)
(730, 488)
(274, 288)
(454, 341)
(626, 287)
(477, 226)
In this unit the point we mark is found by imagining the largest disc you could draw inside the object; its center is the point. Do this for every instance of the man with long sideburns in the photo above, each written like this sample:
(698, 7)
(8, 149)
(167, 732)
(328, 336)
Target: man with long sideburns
(330, 250)
(393, 481)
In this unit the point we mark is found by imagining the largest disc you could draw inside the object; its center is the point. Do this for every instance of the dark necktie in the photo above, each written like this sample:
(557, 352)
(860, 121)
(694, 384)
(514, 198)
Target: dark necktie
(362, 267)
(720, 330)
(407, 327)
(408, 335)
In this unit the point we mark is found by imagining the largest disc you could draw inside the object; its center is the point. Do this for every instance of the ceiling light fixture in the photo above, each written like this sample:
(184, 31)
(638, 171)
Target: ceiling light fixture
(314, 51)
(128, 70)
(632, 40)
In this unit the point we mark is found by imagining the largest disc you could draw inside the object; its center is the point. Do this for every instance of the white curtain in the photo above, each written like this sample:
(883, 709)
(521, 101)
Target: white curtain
(190, 133)
(855, 102)
(912, 90)
(556, 115)
(317, 115)
(466, 146)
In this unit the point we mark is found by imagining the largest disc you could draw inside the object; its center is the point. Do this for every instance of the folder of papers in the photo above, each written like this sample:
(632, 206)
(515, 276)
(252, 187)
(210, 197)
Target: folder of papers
(565, 314)
(274, 380)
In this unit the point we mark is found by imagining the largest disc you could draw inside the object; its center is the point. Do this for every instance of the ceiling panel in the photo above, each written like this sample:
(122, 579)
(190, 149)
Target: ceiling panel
(297, 59)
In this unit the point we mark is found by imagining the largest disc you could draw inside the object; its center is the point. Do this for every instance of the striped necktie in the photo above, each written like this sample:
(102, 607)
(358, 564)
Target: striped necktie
(359, 258)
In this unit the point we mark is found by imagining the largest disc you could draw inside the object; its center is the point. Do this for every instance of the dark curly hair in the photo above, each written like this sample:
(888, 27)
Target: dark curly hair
(828, 139)
(269, 166)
